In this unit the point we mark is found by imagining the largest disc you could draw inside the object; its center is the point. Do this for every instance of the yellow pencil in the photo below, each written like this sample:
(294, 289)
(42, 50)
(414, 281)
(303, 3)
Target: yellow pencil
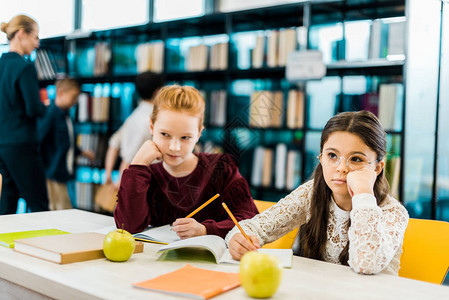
(236, 223)
(150, 241)
(202, 206)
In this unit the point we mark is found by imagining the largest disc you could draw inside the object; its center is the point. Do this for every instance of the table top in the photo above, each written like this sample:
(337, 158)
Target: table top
(103, 279)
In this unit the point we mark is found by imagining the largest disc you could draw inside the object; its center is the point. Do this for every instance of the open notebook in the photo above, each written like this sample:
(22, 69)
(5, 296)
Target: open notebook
(217, 246)
(160, 235)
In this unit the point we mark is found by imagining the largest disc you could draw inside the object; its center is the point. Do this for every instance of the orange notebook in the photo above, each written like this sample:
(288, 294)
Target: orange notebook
(192, 282)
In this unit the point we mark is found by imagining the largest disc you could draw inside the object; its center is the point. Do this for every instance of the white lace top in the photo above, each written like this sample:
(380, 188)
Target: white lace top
(375, 235)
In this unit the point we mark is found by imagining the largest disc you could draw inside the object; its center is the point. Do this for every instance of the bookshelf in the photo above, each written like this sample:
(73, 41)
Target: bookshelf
(244, 68)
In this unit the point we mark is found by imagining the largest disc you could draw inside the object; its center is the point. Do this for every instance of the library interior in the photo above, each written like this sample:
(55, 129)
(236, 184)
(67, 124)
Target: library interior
(272, 74)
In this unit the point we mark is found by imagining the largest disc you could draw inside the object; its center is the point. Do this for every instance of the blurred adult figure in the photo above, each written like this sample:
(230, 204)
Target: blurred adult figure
(20, 162)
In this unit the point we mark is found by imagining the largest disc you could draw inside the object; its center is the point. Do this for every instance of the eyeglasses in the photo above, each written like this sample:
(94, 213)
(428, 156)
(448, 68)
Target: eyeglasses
(353, 162)
(33, 35)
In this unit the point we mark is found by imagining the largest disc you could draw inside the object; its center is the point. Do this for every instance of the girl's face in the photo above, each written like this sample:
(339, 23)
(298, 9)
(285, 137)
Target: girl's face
(175, 134)
(335, 168)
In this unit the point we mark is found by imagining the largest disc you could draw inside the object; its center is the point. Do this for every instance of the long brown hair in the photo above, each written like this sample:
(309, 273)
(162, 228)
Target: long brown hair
(313, 234)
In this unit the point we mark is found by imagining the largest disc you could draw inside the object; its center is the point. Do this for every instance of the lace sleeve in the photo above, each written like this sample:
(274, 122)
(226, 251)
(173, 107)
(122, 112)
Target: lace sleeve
(376, 233)
(289, 213)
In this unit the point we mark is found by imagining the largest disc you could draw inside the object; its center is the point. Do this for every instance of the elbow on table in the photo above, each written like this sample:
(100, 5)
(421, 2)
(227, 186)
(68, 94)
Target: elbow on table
(366, 267)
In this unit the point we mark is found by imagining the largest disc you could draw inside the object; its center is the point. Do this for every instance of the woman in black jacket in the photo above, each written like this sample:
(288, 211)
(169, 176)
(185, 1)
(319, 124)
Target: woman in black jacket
(20, 163)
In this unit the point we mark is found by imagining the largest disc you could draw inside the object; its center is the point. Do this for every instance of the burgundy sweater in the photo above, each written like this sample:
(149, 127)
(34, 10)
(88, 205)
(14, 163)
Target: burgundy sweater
(151, 196)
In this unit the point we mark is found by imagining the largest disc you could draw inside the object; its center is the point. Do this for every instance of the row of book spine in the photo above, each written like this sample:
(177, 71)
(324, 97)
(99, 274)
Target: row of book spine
(44, 66)
(84, 195)
(94, 142)
(387, 39)
(270, 108)
(273, 46)
(204, 57)
(93, 109)
(286, 164)
(150, 57)
(386, 104)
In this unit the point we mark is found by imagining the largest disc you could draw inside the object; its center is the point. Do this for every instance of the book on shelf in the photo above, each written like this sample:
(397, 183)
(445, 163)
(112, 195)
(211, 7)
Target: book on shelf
(266, 109)
(202, 246)
(84, 103)
(257, 58)
(258, 159)
(218, 101)
(197, 58)
(194, 282)
(386, 39)
(100, 103)
(102, 57)
(218, 57)
(370, 102)
(150, 57)
(7, 239)
(390, 105)
(392, 172)
(286, 164)
(293, 171)
(158, 234)
(396, 41)
(267, 169)
(66, 248)
(272, 48)
(280, 165)
(84, 195)
(287, 44)
(378, 39)
(295, 109)
(45, 68)
(95, 142)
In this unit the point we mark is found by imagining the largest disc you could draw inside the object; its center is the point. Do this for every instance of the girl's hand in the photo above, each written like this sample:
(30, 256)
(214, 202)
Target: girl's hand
(239, 245)
(147, 154)
(361, 181)
(188, 227)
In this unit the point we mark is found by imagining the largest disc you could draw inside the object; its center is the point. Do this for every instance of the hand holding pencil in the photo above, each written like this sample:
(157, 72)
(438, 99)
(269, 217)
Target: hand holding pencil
(188, 227)
(240, 243)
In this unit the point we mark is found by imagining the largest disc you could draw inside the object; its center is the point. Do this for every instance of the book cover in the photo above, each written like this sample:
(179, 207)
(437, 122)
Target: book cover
(192, 282)
(7, 239)
(66, 248)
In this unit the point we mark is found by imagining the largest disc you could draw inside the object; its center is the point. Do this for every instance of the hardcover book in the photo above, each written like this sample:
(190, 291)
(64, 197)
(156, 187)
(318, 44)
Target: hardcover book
(66, 248)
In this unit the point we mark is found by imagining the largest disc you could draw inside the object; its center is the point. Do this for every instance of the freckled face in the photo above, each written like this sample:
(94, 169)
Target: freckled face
(175, 134)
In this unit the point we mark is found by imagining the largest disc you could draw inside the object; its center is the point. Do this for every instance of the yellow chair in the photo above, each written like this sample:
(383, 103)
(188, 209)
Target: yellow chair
(425, 249)
(285, 242)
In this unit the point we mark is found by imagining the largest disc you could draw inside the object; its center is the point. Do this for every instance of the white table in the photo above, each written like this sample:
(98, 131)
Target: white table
(25, 277)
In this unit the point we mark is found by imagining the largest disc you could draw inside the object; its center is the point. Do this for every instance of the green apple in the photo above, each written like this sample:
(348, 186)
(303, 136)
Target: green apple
(260, 274)
(118, 245)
